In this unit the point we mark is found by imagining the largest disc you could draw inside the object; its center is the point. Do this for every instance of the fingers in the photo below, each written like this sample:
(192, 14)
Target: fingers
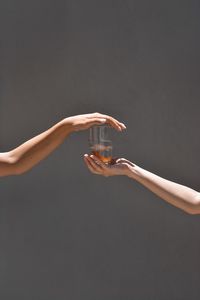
(96, 166)
(101, 121)
(93, 166)
(124, 160)
(115, 124)
(96, 121)
(96, 160)
(86, 121)
(111, 121)
(89, 165)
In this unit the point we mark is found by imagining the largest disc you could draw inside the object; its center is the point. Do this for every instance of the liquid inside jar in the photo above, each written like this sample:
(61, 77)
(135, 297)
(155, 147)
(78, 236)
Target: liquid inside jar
(103, 152)
(100, 143)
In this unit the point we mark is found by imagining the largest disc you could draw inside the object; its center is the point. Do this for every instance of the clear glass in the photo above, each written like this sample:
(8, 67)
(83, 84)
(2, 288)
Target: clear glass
(100, 144)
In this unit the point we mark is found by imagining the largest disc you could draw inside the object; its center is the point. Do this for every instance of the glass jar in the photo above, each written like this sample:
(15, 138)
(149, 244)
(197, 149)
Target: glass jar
(100, 143)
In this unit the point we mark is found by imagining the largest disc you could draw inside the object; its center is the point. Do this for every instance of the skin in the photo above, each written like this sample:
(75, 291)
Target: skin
(30, 153)
(176, 194)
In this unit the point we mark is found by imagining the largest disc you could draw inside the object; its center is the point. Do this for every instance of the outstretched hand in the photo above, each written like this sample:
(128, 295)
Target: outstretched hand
(82, 122)
(120, 166)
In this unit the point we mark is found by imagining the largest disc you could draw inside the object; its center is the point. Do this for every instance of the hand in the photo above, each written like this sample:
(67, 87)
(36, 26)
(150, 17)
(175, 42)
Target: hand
(82, 122)
(120, 166)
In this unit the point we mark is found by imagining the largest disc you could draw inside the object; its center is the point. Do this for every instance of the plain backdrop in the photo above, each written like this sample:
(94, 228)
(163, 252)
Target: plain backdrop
(65, 233)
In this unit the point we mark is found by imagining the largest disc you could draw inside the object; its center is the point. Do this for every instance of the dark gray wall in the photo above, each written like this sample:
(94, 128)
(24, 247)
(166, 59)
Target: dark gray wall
(65, 234)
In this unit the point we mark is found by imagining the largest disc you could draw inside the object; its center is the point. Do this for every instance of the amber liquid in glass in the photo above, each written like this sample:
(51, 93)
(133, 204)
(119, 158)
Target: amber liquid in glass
(103, 152)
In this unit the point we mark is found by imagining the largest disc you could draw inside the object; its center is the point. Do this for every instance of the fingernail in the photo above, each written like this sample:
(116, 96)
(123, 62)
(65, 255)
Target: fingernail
(123, 125)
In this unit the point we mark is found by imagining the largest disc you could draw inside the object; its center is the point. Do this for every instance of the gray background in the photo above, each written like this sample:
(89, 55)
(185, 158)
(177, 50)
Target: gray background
(65, 234)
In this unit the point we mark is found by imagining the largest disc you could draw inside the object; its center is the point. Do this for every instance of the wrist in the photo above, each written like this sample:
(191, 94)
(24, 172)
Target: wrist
(68, 124)
(133, 172)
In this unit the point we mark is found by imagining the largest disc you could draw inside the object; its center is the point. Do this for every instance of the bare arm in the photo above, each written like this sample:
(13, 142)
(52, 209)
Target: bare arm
(27, 155)
(176, 194)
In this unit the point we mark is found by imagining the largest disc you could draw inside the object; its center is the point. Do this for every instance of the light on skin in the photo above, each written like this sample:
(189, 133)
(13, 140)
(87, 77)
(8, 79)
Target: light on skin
(30, 153)
(176, 194)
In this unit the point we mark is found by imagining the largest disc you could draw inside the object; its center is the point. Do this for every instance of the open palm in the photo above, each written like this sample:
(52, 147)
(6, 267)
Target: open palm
(119, 166)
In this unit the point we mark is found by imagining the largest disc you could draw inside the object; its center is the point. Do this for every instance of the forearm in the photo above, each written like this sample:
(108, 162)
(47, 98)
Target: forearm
(178, 195)
(33, 151)
(36, 149)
